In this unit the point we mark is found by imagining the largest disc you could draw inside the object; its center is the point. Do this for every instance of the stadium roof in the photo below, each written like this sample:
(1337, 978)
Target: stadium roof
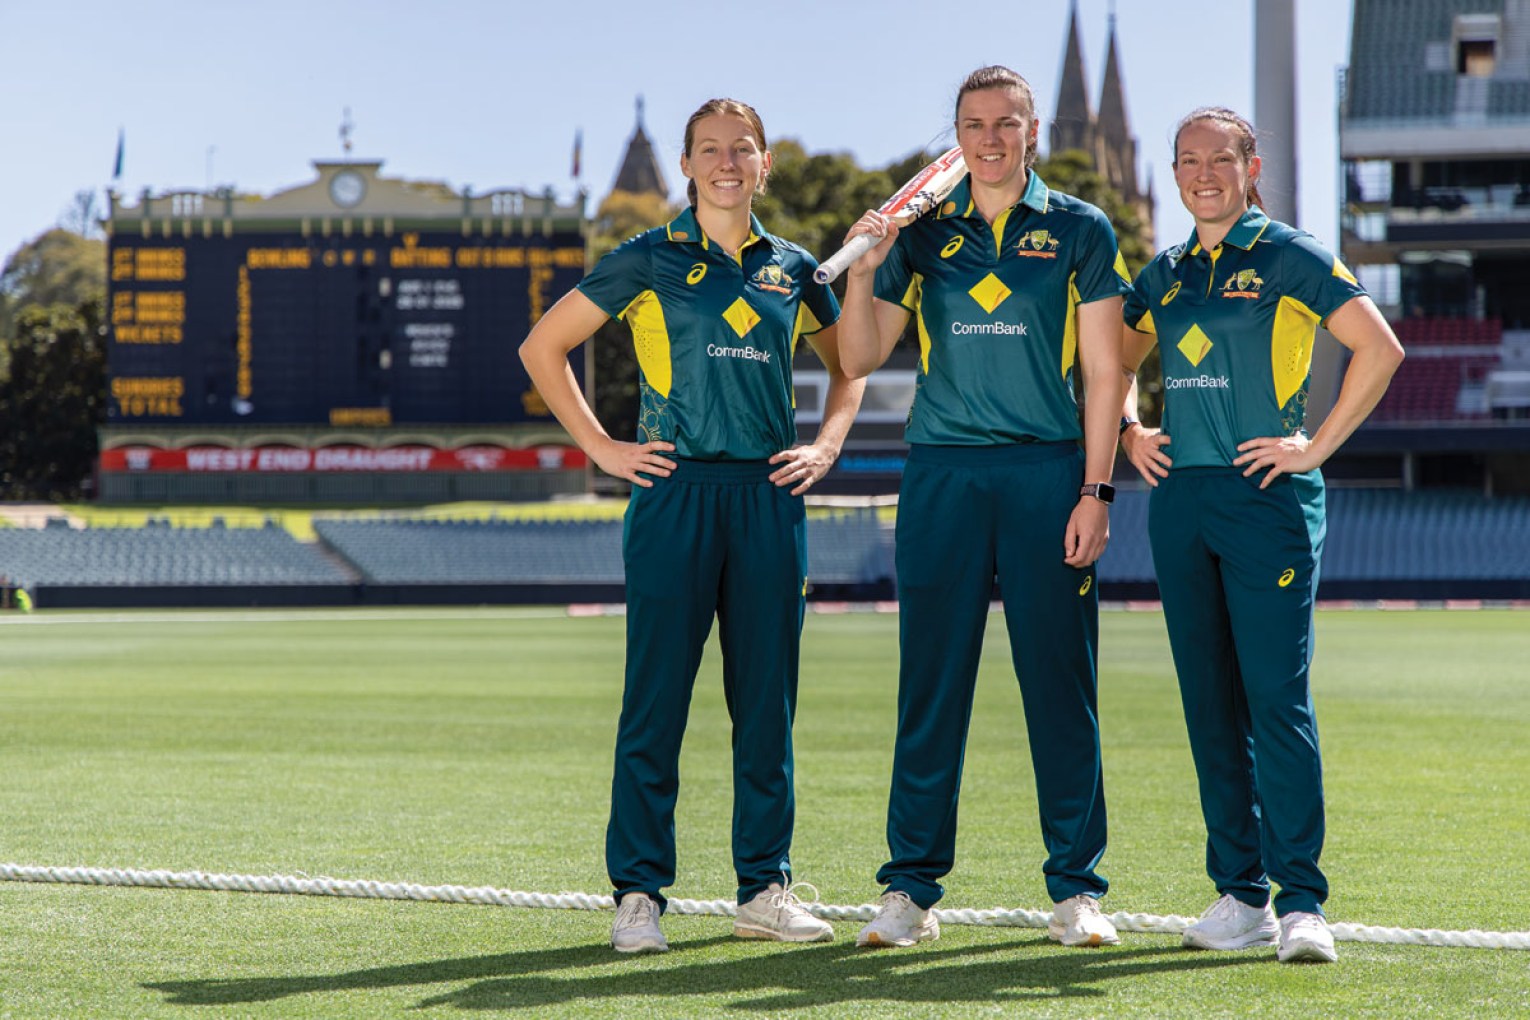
(1438, 76)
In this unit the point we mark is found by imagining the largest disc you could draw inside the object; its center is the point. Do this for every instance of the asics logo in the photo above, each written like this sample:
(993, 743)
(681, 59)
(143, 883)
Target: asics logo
(1170, 295)
(952, 247)
(697, 272)
(1287, 577)
(1088, 583)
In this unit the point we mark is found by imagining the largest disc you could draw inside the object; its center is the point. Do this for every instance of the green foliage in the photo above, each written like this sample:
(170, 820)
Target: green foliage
(58, 267)
(815, 199)
(473, 747)
(51, 401)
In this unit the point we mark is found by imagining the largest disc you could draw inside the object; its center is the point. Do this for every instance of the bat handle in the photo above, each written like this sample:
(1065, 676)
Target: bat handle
(837, 263)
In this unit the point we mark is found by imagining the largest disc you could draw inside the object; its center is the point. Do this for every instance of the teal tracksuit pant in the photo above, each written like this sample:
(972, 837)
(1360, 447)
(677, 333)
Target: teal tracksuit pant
(713, 539)
(966, 515)
(1238, 573)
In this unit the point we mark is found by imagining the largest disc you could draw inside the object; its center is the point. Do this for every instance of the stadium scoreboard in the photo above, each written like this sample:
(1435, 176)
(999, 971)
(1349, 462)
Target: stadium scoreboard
(331, 326)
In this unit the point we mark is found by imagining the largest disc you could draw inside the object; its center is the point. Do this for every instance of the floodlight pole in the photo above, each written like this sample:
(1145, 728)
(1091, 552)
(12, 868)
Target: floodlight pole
(1275, 105)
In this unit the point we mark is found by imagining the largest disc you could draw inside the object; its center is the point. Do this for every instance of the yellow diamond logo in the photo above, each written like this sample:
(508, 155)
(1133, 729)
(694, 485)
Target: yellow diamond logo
(990, 293)
(741, 317)
(1195, 345)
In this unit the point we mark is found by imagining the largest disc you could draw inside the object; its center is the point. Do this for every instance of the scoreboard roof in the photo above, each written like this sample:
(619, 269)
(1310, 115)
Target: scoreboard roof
(345, 190)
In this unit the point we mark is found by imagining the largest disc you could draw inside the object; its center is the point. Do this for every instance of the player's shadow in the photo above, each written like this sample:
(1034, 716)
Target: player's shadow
(777, 979)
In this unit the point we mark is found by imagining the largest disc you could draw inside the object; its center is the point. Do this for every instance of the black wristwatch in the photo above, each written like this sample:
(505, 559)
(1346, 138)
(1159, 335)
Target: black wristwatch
(1102, 491)
(1127, 423)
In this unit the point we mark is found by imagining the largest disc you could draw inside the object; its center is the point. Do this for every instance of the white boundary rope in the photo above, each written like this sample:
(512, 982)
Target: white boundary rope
(486, 896)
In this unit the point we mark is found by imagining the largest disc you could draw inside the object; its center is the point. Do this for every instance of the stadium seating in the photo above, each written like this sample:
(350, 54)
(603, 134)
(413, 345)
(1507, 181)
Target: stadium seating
(159, 554)
(844, 548)
(1373, 535)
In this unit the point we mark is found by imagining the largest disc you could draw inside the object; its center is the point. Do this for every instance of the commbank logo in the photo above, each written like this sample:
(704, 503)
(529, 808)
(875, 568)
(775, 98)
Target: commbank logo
(989, 293)
(1194, 345)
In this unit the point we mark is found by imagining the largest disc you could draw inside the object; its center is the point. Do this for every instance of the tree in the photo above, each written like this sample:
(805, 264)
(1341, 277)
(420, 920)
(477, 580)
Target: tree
(56, 267)
(52, 401)
(1071, 171)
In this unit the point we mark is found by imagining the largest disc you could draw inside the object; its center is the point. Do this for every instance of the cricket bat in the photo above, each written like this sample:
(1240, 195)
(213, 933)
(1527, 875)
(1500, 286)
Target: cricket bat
(923, 192)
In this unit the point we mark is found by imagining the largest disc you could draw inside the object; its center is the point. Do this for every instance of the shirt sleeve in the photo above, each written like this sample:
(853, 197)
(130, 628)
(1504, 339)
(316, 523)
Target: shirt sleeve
(895, 277)
(1137, 310)
(820, 308)
(620, 276)
(1100, 272)
(1312, 275)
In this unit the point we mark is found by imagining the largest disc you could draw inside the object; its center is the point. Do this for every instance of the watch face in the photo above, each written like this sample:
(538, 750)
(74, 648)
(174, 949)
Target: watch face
(347, 188)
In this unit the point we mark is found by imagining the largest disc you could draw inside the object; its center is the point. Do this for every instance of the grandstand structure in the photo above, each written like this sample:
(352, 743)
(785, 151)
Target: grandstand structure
(1434, 139)
(1382, 543)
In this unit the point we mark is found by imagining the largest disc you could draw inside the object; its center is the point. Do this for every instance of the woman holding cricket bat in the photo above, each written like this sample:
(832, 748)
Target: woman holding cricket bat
(716, 524)
(1236, 519)
(1013, 284)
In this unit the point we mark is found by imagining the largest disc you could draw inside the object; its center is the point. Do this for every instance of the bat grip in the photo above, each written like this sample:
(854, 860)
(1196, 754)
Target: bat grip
(837, 263)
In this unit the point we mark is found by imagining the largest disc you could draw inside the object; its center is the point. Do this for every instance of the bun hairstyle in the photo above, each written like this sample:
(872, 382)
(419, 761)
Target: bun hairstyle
(724, 107)
(997, 76)
(1241, 130)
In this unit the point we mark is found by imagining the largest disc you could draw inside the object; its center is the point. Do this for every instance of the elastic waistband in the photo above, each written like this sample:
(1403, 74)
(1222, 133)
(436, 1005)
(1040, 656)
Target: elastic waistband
(977, 456)
(720, 472)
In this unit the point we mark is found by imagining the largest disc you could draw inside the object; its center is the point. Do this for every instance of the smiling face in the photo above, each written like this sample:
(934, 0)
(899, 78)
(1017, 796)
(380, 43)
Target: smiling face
(725, 160)
(996, 128)
(1212, 174)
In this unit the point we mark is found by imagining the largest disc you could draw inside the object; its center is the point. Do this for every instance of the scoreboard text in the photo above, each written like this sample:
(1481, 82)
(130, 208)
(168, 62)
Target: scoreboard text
(415, 328)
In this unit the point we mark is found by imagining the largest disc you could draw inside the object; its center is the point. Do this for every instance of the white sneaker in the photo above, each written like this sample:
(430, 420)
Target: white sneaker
(1229, 923)
(1077, 921)
(637, 926)
(777, 914)
(899, 922)
(1305, 936)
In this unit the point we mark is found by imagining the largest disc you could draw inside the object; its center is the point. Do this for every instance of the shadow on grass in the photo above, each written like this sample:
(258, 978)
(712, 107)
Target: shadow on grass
(785, 977)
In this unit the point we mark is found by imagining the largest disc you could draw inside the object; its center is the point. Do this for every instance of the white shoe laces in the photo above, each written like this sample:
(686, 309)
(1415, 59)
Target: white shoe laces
(1089, 905)
(786, 899)
(1224, 908)
(893, 902)
(641, 912)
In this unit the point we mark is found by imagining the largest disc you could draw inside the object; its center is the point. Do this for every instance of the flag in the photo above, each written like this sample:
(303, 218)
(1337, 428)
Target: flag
(117, 163)
(578, 150)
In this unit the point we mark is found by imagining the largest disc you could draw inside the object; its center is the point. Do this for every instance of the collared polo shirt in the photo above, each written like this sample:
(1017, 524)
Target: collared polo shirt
(1235, 328)
(997, 311)
(714, 334)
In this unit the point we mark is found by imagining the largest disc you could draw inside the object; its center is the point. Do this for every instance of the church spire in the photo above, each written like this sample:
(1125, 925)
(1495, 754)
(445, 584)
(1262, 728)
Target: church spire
(639, 172)
(1117, 146)
(1073, 124)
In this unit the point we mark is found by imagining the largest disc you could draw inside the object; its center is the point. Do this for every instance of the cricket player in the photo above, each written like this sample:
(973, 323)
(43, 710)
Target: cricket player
(716, 525)
(1236, 519)
(1013, 285)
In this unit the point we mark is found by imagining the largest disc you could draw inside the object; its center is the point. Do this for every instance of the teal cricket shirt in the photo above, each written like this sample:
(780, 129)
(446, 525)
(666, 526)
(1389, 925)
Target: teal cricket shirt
(997, 310)
(714, 335)
(1235, 328)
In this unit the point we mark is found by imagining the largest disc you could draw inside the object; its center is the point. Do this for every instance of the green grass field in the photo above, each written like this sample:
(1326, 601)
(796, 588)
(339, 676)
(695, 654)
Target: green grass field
(473, 747)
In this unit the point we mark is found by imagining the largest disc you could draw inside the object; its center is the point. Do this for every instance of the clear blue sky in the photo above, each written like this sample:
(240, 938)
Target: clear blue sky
(489, 93)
